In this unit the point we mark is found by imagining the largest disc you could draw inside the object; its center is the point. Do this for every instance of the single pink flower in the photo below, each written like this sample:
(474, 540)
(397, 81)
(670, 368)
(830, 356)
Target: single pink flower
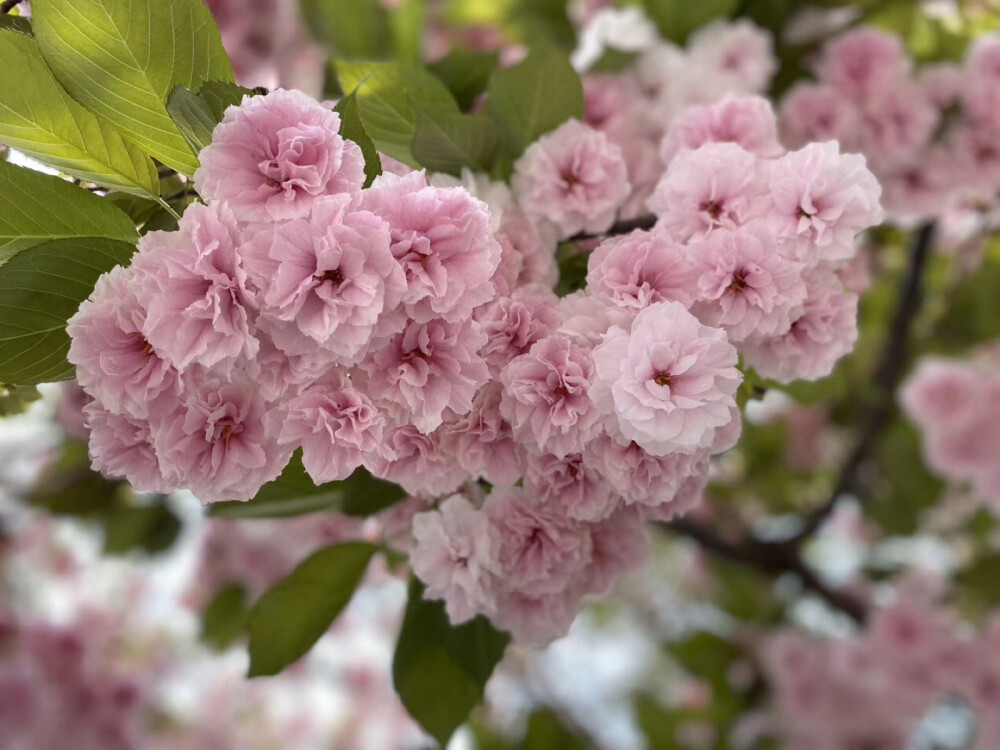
(334, 424)
(864, 63)
(619, 544)
(719, 185)
(818, 112)
(122, 446)
(427, 371)
(327, 281)
(115, 363)
(747, 121)
(668, 383)
(574, 177)
(745, 284)
(455, 555)
(194, 288)
(441, 238)
(546, 396)
(416, 462)
(216, 444)
(482, 441)
(274, 155)
(571, 484)
(512, 324)
(640, 269)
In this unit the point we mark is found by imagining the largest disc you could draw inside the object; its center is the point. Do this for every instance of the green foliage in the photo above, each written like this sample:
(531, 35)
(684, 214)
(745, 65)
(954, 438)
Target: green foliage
(37, 208)
(465, 73)
(40, 290)
(220, 95)
(122, 58)
(977, 585)
(907, 488)
(15, 399)
(69, 488)
(351, 29)
(391, 97)
(224, 618)
(193, 117)
(291, 616)
(534, 97)
(294, 494)
(542, 23)
(678, 18)
(38, 117)
(353, 129)
(440, 671)
(453, 140)
(973, 309)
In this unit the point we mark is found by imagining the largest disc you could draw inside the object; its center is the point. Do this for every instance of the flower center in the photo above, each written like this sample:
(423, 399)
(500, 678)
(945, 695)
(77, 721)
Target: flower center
(713, 209)
(662, 378)
(334, 276)
(739, 282)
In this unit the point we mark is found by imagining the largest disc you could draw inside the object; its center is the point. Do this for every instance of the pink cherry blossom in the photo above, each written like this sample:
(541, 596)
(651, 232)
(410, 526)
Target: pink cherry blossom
(818, 112)
(512, 324)
(822, 199)
(540, 550)
(334, 424)
(216, 444)
(455, 555)
(639, 269)
(114, 362)
(747, 121)
(823, 332)
(416, 462)
(274, 155)
(122, 446)
(546, 396)
(619, 544)
(534, 621)
(482, 441)
(864, 63)
(427, 370)
(571, 484)
(738, 52)
(745, 284)
(668, 383)
(574, 177)
(441, 238)
(719, 185)
(327, 281)
(194, 288)
(528, 250)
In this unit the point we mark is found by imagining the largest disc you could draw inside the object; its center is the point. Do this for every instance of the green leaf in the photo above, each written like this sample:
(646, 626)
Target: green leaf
(390, 96)
(353, 129)
(350, 28)
(221, 95)
(152, 528)
(533, 97)
(450, 141)
(15, 399)
(19, 24)
(546, 731)
(69, 487)
(440, 671)
(678, 18)
(40, 289)
(977, 584)
(36, 207)
(294, 494)
(122, 58)
(908, 489)
(465, 73)
(193, 117)
(225, 617)
(291, 616)
(38, 117)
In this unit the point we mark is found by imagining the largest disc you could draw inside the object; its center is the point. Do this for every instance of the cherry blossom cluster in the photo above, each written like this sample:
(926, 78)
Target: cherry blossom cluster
(874, 689)
(932, 136)
(407, 328)
(635, 107)
(54, 686)
(952, 402)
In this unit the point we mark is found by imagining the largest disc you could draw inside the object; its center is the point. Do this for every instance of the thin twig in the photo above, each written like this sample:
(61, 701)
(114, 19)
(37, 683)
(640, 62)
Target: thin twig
(620, 227)
(886, 378)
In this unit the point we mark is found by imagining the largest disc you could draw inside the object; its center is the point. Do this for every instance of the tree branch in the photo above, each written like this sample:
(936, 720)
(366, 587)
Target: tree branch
(772, 558)
(886, 377)
(620, 227)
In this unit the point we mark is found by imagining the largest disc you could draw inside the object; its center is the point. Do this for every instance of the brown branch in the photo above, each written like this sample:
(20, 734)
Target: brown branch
(886, 377)
(620, 227)
(771, 558)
